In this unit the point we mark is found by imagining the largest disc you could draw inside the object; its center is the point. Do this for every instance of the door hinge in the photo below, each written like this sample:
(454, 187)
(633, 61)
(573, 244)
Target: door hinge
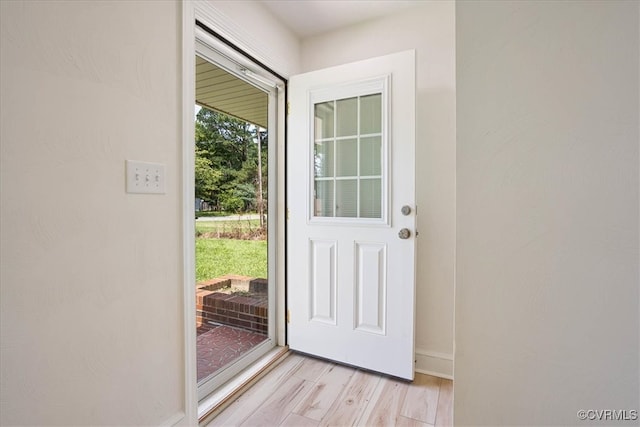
(288, 316)
(288, 214)
(288, 107)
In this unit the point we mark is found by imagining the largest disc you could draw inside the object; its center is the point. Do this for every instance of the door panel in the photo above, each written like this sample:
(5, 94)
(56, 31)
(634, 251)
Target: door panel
(371, 287)
(322, 292)
(351, 279)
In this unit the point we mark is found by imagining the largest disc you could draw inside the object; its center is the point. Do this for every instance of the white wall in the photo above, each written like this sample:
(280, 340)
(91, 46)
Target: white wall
(91, 280)
(250, 26)
(547, 211)
(429, 28)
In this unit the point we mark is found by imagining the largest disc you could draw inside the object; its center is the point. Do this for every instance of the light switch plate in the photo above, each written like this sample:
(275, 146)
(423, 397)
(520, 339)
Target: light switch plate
(145, 177)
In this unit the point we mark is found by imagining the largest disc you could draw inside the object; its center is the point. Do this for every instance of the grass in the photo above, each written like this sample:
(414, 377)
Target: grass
(217, 257)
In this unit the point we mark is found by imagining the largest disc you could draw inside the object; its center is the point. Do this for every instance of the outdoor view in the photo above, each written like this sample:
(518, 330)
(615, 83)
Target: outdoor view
(231, 238)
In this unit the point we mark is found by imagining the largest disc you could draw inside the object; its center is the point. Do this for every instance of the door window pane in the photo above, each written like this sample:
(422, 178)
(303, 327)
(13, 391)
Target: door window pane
(370, 201)
(323, 120)
(323, 159)
(370, 156)
(347, 157)
(346, 198)
(347, 117)
(370, 114)
(323, 198)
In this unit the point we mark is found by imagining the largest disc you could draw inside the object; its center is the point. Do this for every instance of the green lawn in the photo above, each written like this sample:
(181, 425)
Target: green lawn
(217, 257)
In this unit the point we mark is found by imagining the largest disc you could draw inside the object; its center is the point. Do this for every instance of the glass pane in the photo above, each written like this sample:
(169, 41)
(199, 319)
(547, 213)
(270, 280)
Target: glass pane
(370, 156)
(324, 120)
(323, 202)
(347, 117)
(347, 157)
(371, 114)
(346, 198)
(323, 158)
(370, 198)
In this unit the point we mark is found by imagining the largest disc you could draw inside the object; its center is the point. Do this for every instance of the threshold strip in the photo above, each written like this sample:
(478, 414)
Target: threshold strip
(213, 404)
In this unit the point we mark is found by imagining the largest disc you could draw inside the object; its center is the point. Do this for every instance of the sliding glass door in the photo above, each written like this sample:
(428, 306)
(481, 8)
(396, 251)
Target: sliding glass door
(235, 186)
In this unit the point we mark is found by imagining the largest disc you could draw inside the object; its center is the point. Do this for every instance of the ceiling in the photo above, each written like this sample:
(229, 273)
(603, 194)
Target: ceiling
(307, 18)
(218, 90)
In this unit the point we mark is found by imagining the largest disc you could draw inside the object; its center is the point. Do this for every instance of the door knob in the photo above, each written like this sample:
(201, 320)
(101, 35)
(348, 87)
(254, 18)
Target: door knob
(404, 233)
(406, 210)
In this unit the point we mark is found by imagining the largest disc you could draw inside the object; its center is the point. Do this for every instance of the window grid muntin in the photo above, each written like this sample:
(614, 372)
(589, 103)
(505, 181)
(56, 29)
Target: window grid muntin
(358, 137)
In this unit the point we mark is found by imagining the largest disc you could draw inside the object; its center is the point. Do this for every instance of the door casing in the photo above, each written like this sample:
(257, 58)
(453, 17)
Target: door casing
(207, 14)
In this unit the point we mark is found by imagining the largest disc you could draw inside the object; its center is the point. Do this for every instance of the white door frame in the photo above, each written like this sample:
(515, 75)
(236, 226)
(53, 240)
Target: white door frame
(188, 222)
(208, 15)
(209, 49)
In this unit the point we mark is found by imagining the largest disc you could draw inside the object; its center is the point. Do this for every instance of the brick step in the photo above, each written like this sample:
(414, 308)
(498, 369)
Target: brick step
(246, 309)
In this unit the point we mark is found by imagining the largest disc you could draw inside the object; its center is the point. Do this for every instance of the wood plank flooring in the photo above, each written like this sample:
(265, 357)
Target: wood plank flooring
(303, 391)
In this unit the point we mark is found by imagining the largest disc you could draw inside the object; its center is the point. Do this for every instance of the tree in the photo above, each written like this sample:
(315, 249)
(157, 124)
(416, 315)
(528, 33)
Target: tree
(207, 178)
(230, 148)
(260, 198)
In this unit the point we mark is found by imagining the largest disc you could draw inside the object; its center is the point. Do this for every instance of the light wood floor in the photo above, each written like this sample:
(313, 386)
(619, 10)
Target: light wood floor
(303, 391)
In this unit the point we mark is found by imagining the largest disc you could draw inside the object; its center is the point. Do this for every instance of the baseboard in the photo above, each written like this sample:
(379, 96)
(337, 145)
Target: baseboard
(434, 363)
(174, 420)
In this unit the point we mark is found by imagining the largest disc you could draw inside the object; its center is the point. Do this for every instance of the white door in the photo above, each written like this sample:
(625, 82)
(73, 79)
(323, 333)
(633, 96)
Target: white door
(351, 245)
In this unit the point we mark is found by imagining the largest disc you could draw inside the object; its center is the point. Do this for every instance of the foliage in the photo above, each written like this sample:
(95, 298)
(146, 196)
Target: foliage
(231, 203)
(207, 178)
(228, 147)
(217, 257)
(212, 214)
(243, 229)
(212, 226)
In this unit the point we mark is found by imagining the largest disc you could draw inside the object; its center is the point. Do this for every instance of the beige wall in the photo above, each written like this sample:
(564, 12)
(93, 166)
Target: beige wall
(430, 29)
(91, 280)
(547, 211)
(547, 180)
